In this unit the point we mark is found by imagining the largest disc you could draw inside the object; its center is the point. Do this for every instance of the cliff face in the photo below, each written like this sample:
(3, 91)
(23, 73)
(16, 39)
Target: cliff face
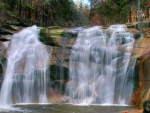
(59, 43)
(142, 72)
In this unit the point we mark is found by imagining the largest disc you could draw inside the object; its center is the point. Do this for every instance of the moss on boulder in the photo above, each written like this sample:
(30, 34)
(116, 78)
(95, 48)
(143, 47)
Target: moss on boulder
(51, 35)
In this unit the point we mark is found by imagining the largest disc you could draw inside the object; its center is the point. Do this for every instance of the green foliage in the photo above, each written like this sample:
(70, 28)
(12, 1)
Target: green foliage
(115, 11)
(144, 3)
(2, 5)
(27, 5)
(43, 12)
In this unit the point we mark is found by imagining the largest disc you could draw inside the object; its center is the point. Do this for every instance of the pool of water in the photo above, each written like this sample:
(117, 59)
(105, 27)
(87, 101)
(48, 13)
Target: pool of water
(63, 108)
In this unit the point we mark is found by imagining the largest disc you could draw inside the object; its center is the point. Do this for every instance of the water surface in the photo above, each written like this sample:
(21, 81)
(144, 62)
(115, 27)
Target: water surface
(34, 108)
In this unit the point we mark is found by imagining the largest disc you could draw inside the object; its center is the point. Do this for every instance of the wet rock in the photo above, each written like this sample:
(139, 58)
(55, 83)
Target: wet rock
(59, 75)
(51, 35)
(10, 27)
(55, 97)
(5, 31)
(57, 36)
(146, 106)
(5, 38)
(136, 32)
(148, 33)
(67, 39)
(60, 56)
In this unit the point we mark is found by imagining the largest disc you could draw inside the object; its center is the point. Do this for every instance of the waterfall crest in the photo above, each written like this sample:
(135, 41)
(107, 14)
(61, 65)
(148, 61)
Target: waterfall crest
(26, 75)
(101, 71)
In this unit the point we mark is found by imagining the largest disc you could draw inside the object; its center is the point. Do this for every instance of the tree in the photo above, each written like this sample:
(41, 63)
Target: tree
(43, 12)
(115, 11)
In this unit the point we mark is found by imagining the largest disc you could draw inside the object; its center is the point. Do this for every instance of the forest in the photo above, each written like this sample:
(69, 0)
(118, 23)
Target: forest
(67, 13)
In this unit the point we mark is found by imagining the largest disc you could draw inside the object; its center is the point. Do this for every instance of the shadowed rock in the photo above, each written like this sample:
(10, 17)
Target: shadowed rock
(146, 106)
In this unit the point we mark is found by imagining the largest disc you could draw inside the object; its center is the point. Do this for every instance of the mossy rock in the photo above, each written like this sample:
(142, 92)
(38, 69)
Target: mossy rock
(51, 35)
(47, 41)
(69, 35)
(43, 30)
(54, 27)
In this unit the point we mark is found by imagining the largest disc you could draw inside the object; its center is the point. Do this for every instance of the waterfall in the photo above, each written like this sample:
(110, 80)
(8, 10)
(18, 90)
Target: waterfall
(101, 71)
(26, 76)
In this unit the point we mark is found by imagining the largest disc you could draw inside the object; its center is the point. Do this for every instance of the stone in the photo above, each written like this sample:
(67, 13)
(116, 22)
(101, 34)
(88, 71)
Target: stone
(5, 31)
(10, 27)
(146, 106)
(51, 35)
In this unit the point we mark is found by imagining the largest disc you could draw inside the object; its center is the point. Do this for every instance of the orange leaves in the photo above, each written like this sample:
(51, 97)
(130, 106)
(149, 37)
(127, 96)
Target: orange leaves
(95, 19)
(148, 5)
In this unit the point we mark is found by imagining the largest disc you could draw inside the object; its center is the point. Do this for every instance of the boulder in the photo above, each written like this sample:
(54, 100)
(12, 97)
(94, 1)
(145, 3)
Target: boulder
(137, 34)
(4, 38)
(57, 36)
(51, 35)
(148, 32)
(146, 106)
(5, 31)
(10, 27)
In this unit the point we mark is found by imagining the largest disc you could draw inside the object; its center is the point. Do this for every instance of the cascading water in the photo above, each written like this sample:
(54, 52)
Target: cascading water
(26, 75)
(101, 71)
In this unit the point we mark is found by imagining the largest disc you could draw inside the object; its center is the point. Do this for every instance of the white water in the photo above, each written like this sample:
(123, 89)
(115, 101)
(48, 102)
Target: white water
(101, 71)
(26, 75)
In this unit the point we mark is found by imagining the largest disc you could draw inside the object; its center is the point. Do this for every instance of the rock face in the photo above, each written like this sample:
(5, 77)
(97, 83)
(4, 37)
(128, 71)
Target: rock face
(61, 41)
(61, 55)
(6, 32)
(51, 35)
(142, 79)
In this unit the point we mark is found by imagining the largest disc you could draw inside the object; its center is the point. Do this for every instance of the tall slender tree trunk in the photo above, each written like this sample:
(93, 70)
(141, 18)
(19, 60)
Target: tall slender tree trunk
(130, 15)
(20, 8)
(139, 15)
(23, 7)
(147, 11)
(36, 12)
(29, 10)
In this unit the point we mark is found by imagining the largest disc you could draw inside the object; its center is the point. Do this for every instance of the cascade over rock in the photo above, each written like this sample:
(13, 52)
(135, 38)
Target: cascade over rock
(26, 76)
(102, 72)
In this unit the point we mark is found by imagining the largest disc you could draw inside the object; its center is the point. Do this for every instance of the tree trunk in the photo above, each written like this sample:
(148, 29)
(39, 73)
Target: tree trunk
(36, 12)
(23, 11)
(139, 15)
(130, 15)
(147, 11)
(20, 9)
(29, 15)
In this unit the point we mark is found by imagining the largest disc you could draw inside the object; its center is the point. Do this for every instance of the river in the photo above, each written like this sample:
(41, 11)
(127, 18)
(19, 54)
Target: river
(64, 108)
